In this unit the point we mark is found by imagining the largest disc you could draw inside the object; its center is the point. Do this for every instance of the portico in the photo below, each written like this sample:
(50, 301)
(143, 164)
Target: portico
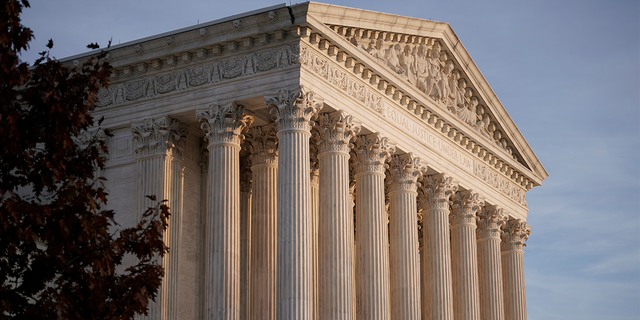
(324, 162)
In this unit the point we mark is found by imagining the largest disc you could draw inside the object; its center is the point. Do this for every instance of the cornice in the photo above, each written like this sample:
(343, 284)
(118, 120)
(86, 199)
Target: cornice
(361, 69)
(322, 16)
(219, 30)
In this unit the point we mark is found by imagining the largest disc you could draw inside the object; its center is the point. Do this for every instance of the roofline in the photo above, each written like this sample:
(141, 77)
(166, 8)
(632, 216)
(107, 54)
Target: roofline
(177, 31)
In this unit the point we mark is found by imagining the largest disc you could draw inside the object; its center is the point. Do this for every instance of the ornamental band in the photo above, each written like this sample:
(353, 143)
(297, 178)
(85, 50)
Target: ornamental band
(320, 162)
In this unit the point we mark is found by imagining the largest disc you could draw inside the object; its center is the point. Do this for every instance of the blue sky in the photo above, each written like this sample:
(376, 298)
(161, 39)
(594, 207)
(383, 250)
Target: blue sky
(567, 72)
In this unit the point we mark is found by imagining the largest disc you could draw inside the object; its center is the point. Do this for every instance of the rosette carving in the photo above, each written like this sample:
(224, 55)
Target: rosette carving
(490, 220)
(465, 206)
(371, 152)
(515, 233)
(158, 137)
(224, 124)
(334, 132)
(263, 145)
(435, 191)
(293, 109)
(404, 172)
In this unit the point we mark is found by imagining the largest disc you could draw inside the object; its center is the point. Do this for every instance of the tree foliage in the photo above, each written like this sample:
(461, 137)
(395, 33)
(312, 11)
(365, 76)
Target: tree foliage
(59, 249)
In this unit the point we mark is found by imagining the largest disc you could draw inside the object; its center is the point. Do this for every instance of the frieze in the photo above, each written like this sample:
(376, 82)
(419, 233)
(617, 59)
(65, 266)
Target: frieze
(217, 71)
(337, 76)
(497, 181)
(459, 157)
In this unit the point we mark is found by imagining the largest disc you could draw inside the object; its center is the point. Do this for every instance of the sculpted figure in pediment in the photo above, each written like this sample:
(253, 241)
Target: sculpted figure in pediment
(422, 68)
(407, 59)
(392, 57)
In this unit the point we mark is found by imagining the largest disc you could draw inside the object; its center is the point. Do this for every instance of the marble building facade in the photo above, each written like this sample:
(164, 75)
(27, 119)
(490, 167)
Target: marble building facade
(321, 162)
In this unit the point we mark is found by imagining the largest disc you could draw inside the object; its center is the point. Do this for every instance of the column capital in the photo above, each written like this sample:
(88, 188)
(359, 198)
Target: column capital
(515, 233)
(293, 109)
(263, 145)
(333, 132)
(224, 124)
(159, 136)
(436, 190)
(490, 220)
(465, 207)
(371, 153)
(404, 172)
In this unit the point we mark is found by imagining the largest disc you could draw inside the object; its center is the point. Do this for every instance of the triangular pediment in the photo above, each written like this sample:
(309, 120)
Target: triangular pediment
(428, 57)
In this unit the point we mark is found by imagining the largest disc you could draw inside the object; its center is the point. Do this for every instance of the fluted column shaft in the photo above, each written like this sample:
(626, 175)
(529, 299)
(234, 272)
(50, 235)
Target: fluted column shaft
(373, 301)
(294, 227)
(515, 302)
(293, 111)
(335, 244)
(333, 133)
(403, 227)
(159, 145)
(464, 262)
(245, 238)
(264, 242)
(489, 263)
(438, 299)
(222, 126)
(264, 208)
(315, 209)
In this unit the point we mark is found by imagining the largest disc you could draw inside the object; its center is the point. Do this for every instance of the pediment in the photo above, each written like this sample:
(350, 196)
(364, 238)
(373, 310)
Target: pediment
(426, 56)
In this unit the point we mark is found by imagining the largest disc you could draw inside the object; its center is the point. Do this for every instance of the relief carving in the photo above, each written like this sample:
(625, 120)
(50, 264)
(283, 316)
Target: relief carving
(224, 124)
(427, 67)
(335, 75)
(371, 152)
(219, 70)
(334, 132)
(293, 109)
(159, 137)
(404, 172)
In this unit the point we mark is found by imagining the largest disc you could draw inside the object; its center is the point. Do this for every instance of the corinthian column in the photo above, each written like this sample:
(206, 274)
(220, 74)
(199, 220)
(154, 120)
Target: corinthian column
(314, 168)
(335, 228)
(373, 302)
(245, 236)
(223, 126)
(158, 146)
(404, 172)
(292, 111)
(490, 220)
(264, 206)
(436, 263)
(515, 302)
(464, 255)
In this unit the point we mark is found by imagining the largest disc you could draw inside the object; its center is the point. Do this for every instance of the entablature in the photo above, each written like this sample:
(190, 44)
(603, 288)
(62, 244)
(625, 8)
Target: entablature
(374, 85)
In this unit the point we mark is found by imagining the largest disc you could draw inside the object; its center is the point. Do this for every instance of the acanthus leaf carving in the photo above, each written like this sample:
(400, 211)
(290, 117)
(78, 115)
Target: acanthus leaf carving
(404, 172)
(263, 145)
(224, 124)
(465, 206)
(514, 234)
(159, 137)
(333, 132)
(490, 220)
(293, 109)
(371, 153)
(435, 191)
